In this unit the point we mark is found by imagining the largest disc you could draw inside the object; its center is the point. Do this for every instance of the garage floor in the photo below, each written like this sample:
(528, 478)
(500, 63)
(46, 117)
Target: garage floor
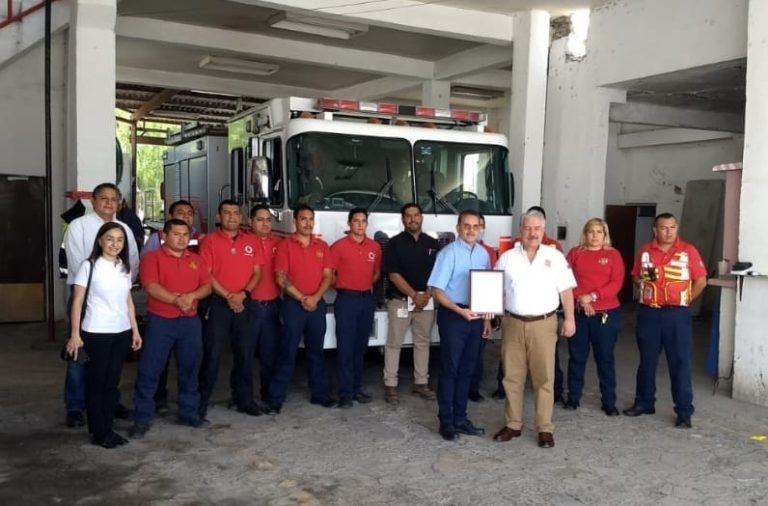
(377, 454)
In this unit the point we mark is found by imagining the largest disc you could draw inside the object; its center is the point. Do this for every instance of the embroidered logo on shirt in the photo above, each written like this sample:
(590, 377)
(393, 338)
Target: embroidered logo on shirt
(603, 261)
(319, 253)
(547, 263)
(193, 265)
(371, 256)
(248, 250)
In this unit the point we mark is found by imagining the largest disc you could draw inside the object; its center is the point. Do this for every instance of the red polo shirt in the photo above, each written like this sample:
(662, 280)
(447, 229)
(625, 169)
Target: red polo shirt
(231, 259)
(599, 271)
(303, 264)
(267, 288)
(356, 263)
(182, 275)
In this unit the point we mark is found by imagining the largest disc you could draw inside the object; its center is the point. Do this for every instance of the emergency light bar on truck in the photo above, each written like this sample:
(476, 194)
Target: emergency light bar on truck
(395, 110)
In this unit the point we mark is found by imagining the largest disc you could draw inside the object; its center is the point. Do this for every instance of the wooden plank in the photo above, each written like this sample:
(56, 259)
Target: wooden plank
(153, 103)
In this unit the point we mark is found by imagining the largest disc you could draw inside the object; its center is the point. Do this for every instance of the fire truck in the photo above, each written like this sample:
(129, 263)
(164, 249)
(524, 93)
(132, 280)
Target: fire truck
(336, 155)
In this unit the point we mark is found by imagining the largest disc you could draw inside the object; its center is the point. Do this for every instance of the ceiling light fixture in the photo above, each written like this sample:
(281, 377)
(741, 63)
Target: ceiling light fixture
(237, 65)
(318, 26)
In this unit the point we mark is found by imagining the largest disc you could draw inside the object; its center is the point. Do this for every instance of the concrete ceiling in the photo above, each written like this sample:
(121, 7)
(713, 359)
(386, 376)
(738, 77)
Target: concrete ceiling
(466, 42)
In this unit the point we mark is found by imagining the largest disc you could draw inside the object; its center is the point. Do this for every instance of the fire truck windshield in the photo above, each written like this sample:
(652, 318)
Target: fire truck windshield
(340, 172)
(453, 177)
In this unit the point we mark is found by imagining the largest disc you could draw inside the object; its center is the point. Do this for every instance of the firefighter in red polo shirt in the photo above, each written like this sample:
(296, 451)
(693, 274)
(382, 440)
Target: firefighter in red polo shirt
(175, 279)
(304, 270)
(670, 275)
(235, 261)
(358, 267)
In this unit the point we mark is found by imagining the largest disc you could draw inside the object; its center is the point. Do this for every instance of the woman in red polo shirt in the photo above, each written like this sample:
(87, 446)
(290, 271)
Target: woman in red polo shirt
(599, 272)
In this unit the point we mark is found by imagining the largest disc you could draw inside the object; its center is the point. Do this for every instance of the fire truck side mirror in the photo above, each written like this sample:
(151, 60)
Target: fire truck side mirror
(258, 178)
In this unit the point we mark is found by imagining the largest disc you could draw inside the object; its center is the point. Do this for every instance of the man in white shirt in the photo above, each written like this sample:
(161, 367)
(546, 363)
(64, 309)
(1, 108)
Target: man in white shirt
(78, 244)
(536, 280)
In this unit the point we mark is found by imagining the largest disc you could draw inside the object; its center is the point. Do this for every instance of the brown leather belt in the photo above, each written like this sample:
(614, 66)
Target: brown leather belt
(530, 318)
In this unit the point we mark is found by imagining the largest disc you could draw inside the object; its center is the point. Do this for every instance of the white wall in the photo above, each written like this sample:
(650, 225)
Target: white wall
(658, 174)
(22, 143)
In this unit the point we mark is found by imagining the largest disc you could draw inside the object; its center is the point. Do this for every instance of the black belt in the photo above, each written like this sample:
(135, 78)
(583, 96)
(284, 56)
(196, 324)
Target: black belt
(265, 302)
(530, 318)
(356, 293)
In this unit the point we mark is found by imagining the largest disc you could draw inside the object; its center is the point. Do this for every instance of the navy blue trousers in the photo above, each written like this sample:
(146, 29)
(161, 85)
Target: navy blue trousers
(669, 329)
(298, 323)
(354, 320)
(601, 335)
(459, 349)
(267, 332)
(224, 325)
(183, 337)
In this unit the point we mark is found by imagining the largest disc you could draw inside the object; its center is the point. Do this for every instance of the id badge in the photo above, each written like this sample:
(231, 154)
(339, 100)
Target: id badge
(402, 312)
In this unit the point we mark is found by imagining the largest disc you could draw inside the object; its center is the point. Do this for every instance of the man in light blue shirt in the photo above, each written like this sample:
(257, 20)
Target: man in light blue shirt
(461, 330)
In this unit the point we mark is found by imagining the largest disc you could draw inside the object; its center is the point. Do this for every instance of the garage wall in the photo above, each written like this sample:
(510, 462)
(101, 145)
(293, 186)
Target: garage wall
(658, 174)
(22, 141)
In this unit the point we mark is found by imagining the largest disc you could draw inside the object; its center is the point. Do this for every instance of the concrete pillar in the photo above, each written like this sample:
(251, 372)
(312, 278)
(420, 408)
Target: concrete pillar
(91, 94)
(530, 54)
(436, 94)
(750, 381)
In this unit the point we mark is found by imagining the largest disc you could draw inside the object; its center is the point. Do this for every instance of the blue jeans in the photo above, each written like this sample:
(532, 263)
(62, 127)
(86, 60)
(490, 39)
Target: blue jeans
(667, 328)
(298, 323)
(459, 348)
(267, 332)
(183, 337)
(224, 325)
(601, 335)
(354, 320)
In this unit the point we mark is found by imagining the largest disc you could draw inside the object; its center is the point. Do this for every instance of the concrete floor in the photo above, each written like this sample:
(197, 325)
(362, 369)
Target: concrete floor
(377, 454)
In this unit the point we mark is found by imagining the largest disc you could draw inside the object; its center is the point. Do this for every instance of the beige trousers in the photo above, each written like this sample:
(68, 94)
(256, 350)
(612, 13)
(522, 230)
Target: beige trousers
(420, 324)
(529, 348)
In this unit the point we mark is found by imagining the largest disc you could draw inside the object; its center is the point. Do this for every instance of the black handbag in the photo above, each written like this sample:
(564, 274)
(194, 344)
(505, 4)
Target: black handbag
(82, 356)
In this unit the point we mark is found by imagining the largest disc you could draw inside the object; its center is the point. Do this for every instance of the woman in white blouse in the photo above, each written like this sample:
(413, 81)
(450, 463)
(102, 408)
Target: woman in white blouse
(108, 329)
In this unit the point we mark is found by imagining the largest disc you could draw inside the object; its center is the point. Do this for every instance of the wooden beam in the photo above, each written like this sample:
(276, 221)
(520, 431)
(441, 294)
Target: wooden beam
(153, 141)
(153, 103)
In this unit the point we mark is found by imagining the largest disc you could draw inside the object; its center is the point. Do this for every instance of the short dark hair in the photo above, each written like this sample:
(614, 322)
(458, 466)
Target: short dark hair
(105, 186)
(124, 254)
(300, 208)
(408, 206)
(664, 216)
(356, 210)
(173, 222)
(178, 203)
(468, 212)
(538, 209)
(259, 207)
(482, 218)
(227, 202)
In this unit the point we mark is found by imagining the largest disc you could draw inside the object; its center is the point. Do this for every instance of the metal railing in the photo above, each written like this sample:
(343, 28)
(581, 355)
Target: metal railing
(11, 17)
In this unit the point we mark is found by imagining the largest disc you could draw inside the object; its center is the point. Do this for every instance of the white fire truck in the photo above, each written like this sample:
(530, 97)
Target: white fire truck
(335, 155)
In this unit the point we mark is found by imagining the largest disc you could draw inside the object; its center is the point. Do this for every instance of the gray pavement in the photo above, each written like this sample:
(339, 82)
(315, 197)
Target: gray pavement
(376, 454)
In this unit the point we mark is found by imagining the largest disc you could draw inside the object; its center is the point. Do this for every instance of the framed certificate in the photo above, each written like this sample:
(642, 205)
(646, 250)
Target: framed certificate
(486, 291)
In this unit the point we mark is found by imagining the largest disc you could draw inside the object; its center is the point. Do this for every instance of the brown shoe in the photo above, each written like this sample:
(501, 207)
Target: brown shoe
(390, 395)
(424, 392)
(505, 434)
(546, 440)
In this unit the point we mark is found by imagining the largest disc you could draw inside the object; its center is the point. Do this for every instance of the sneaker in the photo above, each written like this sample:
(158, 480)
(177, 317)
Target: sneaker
(476, 397)
(195, 423)
(362, 398)
(424, 392)
(138, 431)
(390, 395)
(117, 438)
(75, 419)
(345, 403)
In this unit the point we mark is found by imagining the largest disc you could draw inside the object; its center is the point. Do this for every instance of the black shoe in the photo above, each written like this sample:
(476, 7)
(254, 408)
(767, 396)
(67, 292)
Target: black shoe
(610, 410)
(326, 403)
(469, 429)
(161, 407)
(499, 394)
(683, 422)
(195, 423)
(345, 403)
(122, 413)
(476, 397)
(449, 432)
(250, 409)
(75, 419)
(571, 405)
(272, 409)
(138, 431)
(637, 411)
(120, 440)
(362, 398)
(559, 398)
(107, 442)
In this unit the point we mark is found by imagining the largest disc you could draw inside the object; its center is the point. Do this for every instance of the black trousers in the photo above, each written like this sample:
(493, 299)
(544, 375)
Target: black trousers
(102, 376)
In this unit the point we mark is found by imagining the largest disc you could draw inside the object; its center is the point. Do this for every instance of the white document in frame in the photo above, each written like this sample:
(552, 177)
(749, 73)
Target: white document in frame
(430, 304)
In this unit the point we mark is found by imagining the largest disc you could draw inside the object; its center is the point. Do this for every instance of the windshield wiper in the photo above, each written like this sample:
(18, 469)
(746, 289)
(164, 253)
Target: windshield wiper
(387, 187)
(436, 197)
